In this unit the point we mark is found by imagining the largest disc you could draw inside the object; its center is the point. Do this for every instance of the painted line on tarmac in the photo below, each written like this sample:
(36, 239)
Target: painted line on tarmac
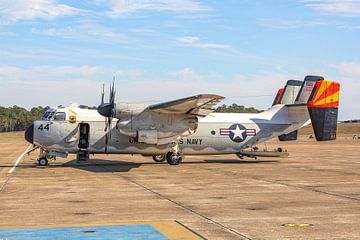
(167, 229)
(10, 172)
(18, 160)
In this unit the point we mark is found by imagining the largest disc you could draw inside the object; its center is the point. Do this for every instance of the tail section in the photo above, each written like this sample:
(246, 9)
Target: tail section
(291, 91)
(306, 89)
(289, 137)
(278, 96)
(288, 96)
(323, 109)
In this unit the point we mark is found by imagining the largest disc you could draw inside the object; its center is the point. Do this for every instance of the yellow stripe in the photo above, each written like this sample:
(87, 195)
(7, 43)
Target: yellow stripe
(321, 90)
(329, 99)
(173, 230)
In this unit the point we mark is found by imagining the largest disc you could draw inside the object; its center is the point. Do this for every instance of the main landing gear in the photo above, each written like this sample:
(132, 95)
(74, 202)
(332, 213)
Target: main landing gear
(174, 157)
(159, 158)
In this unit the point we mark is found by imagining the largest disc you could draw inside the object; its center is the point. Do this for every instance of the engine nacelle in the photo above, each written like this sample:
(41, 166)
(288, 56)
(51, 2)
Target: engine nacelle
(147, 136)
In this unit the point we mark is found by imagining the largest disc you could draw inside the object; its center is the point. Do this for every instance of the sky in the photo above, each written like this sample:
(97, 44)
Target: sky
(56, 52)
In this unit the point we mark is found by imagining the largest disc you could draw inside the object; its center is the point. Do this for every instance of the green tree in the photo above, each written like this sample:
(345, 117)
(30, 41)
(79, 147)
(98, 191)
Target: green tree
(234, 108)
(17, 118)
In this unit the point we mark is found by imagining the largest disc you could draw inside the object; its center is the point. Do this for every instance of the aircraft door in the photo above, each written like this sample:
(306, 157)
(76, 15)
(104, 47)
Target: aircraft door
(84, 135)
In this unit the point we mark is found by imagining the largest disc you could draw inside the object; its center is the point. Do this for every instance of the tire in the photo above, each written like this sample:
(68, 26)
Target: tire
(173, 158)
(159, 158)
(43, 162)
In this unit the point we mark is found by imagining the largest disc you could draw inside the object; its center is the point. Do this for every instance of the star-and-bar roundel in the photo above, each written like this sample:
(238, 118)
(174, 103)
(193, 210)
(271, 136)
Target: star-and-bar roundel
(237, 132)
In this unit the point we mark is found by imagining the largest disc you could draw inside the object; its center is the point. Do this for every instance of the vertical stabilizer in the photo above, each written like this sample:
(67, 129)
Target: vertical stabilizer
(323, 109)
(278, 96)
(290, 92)
(306, 89)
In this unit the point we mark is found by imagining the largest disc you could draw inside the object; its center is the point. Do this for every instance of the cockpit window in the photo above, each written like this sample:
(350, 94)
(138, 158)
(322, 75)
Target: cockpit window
(48, 115)
(51, 114)
(60, 116)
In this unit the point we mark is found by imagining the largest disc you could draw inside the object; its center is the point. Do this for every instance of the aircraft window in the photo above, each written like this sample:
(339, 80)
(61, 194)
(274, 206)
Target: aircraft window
(45, 116)
(51, 114)
(60, 116)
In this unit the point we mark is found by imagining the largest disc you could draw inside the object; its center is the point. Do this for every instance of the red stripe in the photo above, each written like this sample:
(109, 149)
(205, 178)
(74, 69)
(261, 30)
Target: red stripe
(224, 131)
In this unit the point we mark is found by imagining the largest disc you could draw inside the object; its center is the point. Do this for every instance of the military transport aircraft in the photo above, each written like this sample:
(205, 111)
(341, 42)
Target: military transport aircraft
(186, 126)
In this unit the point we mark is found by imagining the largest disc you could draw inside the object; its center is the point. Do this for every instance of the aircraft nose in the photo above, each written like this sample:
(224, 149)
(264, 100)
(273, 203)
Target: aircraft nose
(29, 134)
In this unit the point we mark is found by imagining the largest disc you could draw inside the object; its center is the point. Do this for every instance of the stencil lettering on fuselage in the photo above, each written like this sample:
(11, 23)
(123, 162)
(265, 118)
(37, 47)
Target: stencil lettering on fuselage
(191, 141)
(237, 132)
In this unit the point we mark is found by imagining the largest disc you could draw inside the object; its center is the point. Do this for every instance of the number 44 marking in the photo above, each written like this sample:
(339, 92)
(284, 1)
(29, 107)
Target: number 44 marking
(41, 127)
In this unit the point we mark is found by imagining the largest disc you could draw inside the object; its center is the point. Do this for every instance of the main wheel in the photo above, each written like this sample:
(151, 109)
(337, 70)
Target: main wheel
(43, 161)
(174, 158)
(159, 158)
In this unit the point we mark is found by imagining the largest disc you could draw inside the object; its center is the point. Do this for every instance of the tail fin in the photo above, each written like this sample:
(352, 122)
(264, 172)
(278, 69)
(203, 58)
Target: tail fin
(288, 96)
(291, 91)
(323, 109)
(278, 96)
(289, 137)
(306, 89)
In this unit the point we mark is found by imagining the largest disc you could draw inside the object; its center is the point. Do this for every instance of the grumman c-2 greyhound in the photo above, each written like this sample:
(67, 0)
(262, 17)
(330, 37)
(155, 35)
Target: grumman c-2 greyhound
(187, 126)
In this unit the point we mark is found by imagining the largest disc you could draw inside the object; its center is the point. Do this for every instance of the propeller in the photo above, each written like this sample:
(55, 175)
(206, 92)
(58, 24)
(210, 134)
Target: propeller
(103, 94)
(107, 110)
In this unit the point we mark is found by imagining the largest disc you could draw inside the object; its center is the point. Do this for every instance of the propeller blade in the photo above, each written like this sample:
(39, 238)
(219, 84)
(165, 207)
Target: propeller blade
(108, 111)
(103, 95)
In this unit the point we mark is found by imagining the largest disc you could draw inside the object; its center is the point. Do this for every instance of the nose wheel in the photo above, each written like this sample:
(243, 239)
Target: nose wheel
(43, 161)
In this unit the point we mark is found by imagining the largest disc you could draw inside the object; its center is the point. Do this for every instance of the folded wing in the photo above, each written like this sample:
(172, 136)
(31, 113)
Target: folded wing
(199, 105)
(166, 122)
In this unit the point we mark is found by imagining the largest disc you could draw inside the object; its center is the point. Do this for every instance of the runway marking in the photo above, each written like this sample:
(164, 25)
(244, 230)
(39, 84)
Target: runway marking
(168, 229)
(18, 160)
(8, 176)
(297, 225)
(222, 226)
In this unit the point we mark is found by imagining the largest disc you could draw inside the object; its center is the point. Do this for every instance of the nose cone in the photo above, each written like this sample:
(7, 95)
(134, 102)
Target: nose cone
(105, 109)
(29, 134)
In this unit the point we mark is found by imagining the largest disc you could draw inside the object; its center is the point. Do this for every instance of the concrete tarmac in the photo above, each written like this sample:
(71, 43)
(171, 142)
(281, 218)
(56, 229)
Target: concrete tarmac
(313, 194)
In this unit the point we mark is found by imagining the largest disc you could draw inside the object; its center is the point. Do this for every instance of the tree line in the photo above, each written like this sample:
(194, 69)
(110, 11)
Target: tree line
(17, 118)
(234, 108)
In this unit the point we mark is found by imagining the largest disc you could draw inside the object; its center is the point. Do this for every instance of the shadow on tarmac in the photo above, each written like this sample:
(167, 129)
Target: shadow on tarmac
(101, 165)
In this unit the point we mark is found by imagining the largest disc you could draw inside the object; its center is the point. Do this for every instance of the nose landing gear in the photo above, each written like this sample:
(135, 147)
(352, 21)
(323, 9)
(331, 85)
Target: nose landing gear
(43, 161)
(43, 158)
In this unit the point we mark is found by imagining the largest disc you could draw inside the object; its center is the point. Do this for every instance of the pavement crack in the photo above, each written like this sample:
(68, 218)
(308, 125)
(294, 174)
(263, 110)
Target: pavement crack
(285, 184)
(230, 230)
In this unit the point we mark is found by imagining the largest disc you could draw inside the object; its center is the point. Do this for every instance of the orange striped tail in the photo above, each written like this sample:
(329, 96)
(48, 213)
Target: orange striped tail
(278, 96)
(323, 109)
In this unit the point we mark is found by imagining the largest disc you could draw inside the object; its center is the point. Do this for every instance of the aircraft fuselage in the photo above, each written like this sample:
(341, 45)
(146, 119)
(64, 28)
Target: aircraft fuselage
(217, 133)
